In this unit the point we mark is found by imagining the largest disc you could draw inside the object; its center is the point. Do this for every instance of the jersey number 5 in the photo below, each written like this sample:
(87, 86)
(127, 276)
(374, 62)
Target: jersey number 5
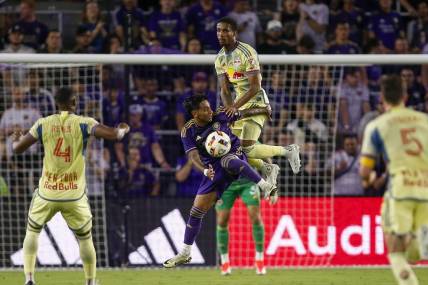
(66, 154)
(413, 145)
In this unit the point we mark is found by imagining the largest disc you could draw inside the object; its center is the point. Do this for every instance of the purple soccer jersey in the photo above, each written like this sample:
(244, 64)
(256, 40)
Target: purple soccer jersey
(143, 138)
(154, 112)
(204, 24)
(34, 33)
(348, 48)
(386, 27)
(167, 28)
(193, 137)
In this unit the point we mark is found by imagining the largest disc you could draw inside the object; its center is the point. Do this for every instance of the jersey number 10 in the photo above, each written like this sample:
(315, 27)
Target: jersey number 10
(66, 154)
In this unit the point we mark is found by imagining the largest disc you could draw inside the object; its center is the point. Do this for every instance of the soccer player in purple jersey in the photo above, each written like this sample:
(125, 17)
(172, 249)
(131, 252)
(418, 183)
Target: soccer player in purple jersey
(219, 173)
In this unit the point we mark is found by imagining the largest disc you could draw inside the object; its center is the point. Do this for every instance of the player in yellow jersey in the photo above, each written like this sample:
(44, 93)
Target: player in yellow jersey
(237, 64)
(62, 186)
(400, 136)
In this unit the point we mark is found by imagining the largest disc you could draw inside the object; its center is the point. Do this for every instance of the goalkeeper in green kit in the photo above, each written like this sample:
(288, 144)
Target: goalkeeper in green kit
(250, 195)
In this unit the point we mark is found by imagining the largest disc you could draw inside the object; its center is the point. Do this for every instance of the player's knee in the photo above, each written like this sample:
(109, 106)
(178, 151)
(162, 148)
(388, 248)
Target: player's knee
(255, 219)
(404, 274)
(33, 227)
(197, 212)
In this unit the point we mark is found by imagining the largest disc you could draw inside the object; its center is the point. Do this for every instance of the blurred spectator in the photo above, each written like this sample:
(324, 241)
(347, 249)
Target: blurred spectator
(354, 101)
(194, 46)
(37, 97)
(386, 25)
(188, 178)
(15, 42)
(417, 30)
(113, 106)
(401, 46)
(143, 137)
(416, 93)
(279, 100)
(20, 117)
(354, 17)
(248, 23)
(139, 33)
(167, 26)
(305, 45)
(290, 18)
(154, 109)
(98, 159)
(202, 19)
(274, 44)
(83, 39)
(306, 128)
(310, 133)
(95, 25)
(34, 31)
(53, 43)
(155, 47)
(313, 22)
(199, 87)
(137, 180)
(410, 6)
(347, 181)
(342, 44)
(114, 45)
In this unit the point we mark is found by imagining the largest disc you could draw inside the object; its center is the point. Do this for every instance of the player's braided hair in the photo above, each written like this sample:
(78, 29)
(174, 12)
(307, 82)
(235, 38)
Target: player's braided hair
(192, 103)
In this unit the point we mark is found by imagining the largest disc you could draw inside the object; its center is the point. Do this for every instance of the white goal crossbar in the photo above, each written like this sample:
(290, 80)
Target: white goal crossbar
(175, 59)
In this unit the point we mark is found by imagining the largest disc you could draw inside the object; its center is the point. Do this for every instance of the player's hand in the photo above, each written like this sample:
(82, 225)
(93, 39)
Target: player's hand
(16, 136)
(124, 126)
(209, 172)
(230, 110)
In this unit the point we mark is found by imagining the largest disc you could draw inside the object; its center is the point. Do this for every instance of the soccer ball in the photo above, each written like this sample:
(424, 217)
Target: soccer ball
(217, 144)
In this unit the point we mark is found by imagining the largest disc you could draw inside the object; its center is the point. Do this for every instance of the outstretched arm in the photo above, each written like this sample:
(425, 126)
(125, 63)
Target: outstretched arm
(22, 143)
(108, 133)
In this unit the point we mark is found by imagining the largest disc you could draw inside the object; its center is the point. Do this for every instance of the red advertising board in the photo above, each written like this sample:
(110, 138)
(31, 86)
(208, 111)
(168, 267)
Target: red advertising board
(312, 232)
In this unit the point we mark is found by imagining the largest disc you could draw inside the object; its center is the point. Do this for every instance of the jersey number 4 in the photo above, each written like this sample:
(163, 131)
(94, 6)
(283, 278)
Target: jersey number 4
(66, 154)
(413, 146)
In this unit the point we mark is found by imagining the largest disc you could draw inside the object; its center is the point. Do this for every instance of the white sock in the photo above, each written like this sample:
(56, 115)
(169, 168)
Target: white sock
(186, 249)
(259, 255)
(224, 258)
(262, 184)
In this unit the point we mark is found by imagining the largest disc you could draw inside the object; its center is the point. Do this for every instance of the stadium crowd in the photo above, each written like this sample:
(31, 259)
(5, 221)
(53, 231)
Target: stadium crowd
(152, 151)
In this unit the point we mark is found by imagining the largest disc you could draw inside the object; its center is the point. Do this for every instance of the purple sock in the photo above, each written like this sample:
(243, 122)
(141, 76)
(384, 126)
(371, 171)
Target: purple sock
(238, 166)
(193, 225)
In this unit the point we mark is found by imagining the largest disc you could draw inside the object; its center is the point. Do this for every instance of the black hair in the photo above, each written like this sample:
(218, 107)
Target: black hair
(230, 21)
(192, 103)
(307, 42)
(63, 96)
(350, 136)
(392, 89)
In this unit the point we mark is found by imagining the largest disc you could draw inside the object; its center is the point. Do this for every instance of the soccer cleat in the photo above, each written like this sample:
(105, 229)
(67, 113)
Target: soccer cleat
(179, 259)
(269, 190)
(270, 172)
(30, 283)
(260, 267)
(293, 156)
(226, 269)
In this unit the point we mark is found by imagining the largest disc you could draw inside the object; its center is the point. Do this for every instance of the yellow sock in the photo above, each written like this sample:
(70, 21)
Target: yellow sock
(256, 163)
(264, 151)
(412, 253)
(89, 258)
(401, 269)
(30, 254)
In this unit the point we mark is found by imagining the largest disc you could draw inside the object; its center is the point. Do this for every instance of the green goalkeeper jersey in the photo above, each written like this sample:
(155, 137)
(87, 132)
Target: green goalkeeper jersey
(236, 66)
(64, 137)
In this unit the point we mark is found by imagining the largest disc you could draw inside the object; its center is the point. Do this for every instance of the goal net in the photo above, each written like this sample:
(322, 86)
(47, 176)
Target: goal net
(26, 94)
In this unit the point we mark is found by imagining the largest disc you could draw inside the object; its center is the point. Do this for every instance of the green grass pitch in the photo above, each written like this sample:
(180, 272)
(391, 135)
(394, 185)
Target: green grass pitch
(351, 276)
